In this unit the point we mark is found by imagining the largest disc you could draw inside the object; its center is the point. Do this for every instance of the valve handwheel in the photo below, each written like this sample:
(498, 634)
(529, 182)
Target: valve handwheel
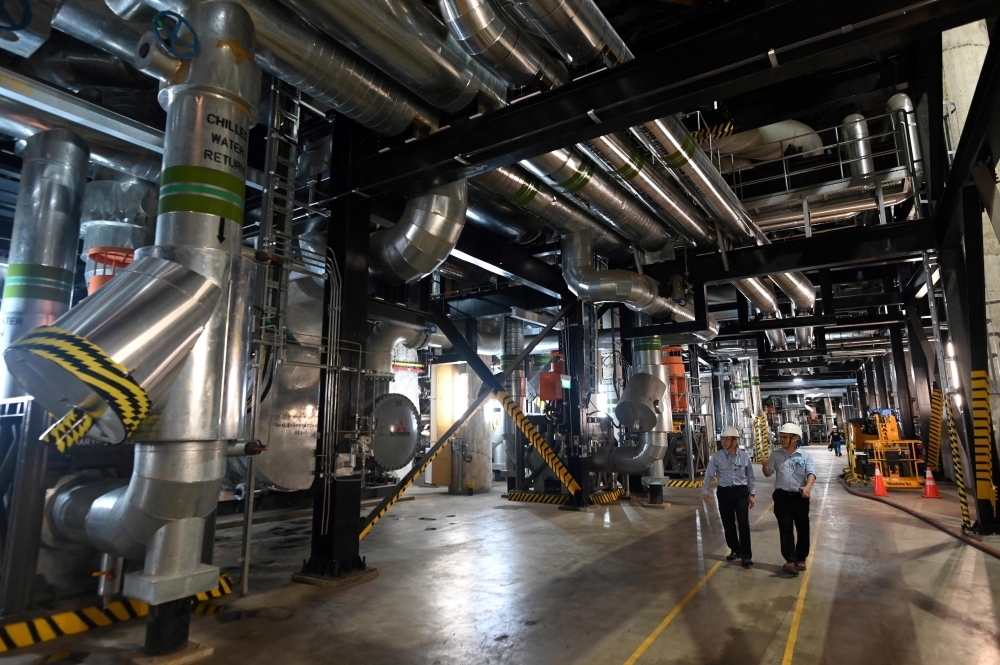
(7, 22)
(176, 35)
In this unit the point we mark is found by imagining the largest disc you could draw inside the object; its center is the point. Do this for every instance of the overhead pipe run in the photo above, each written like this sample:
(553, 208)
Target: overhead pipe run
(576, 29)
(289, 48)
(526, 191)
(403, 39)
(424, 236)
(575, 175)
(42, 260)
(500, 45)
(490, 212)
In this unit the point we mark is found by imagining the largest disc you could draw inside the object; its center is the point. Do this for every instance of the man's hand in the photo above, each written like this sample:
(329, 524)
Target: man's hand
(806, 491)
(705, 497)
(751, 501)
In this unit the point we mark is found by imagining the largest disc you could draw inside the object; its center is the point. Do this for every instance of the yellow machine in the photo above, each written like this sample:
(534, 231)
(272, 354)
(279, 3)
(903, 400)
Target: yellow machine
(898, 459)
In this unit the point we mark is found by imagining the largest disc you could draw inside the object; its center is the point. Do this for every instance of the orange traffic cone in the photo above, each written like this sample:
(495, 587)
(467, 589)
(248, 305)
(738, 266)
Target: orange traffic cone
(879, 485)
(930, 487)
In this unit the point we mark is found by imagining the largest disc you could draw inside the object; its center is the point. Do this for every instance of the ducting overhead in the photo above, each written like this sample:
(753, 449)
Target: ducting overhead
(639, 293)
(403, 39)
(529, 193)
(488, 211)
(572, 174)
(93, 22)
(576, 29)
(423, 237)
(301, 56)
(771, 141)
(500, 45)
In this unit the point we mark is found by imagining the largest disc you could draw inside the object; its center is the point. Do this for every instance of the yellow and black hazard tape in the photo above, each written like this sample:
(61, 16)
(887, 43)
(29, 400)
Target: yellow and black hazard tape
(722, 130)
(537, 497)
(956, 460)
(982, 426)
(90, 364)
(602, 498)
(28, 633)
(934, 433)
(538, 441)
(684, 483)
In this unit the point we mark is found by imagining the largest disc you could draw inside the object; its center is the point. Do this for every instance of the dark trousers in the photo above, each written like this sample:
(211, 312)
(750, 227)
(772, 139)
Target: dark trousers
(836, 448)
(792, 511)
(734, 506)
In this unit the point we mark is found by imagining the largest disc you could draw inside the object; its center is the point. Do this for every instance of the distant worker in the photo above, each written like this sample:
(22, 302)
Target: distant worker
(735, 493)
(795, 474)
(836, 441)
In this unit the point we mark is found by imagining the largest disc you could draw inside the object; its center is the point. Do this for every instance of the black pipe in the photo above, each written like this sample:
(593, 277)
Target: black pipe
(167, 627)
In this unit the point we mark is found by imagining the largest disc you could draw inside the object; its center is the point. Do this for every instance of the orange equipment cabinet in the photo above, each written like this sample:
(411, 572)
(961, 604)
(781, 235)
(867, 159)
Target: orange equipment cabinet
(678, 383)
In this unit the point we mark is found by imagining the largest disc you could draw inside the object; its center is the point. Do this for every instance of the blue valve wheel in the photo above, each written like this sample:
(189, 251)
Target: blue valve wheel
(7, 22)
(176, 35)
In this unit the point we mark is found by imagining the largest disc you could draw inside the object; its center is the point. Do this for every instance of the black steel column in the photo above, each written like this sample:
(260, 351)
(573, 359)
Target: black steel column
(921, 379)
(717, 400)
(167, 627)
(862, 396)
(902, 387)
(337, 504)
(728, 394)
(881, 385)
(870, 383)
(26, 513)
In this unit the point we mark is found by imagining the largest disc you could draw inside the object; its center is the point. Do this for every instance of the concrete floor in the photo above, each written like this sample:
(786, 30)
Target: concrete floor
(481, 580)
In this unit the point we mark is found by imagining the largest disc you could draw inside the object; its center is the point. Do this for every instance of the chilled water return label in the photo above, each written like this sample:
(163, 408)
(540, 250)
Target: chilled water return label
(206, 170)
(38, 282)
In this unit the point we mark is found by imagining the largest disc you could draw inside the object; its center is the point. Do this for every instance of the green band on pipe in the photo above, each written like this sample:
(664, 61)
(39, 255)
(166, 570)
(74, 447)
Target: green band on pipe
(646, 344)
(632, 168)
(682, 156)
(579, 179)
(36, 293)
(208, 190)
(203, 204)
(205, 176)
(38, 282)
(525, 194)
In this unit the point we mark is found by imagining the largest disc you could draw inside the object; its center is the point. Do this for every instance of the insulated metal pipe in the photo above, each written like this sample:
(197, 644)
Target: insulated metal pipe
(513, 344)
(575, 175)
(403, 39)
(490, 212)
(904, 121)
(42, 259)
(528, 192)
(423, 237)
(576, 29)
(859, 151)
(500, 45)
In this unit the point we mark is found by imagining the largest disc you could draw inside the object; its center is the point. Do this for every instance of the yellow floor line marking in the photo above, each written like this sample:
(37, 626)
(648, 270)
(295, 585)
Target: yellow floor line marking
(648, 642)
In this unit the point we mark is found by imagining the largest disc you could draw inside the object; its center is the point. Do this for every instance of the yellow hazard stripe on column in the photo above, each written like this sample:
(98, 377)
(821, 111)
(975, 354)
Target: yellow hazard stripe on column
(91, 365)
(982, 425)
(934, 430)
(20, 634)
(537, 441)
(537, 497)
(956, 460)
(684, 483)
(602, 498)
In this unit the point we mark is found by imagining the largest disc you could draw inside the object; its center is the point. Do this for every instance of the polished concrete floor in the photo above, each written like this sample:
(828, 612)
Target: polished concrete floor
(481, 580)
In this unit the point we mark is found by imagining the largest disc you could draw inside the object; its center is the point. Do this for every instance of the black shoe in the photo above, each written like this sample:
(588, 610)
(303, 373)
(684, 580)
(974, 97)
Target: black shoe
(747, 562)
(732, 556)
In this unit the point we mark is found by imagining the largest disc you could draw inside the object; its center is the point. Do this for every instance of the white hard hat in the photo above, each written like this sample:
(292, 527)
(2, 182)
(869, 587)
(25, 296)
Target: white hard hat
(791, 428)
(731, 431)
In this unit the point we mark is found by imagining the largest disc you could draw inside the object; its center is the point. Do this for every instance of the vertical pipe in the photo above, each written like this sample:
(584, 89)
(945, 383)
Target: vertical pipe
(881, 384)
(43, 245)
(513, 343)
(902, 386)
(856, 143)
(873, 401)
(862, 396)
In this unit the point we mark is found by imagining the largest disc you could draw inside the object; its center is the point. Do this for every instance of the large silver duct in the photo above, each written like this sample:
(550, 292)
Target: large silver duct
(403, 39)
(500, 45)
(904, 121)
(526, 191)
(859, 151)
(42, 258)
(513, 344)
(93, 22)
(644, 407)
(572, 174)
(639, 293)
(383, 337)
(423, 237)
(181, 445)
(576, 29)
(300, 55)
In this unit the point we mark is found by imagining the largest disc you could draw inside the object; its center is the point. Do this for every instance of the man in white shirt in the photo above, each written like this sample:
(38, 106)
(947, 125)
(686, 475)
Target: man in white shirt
(795, 474)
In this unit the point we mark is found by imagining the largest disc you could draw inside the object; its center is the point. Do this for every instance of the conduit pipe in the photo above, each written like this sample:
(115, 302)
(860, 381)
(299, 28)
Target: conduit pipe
(303, 57)
(904, 121)
(381, 340)
(423, 237)
(93, 22)
(572, 174)
(500, 45)
(529, 193)
(639, 293)
(42, 259)
(490, 212)
(859, 151)
(403, 39)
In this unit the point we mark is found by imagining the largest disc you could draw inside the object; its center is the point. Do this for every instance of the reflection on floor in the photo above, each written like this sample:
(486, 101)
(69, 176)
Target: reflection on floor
(480, 580)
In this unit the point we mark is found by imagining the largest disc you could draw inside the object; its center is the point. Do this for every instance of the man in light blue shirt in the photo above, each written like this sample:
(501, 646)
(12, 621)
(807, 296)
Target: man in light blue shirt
(735, 493)
(795, 473)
